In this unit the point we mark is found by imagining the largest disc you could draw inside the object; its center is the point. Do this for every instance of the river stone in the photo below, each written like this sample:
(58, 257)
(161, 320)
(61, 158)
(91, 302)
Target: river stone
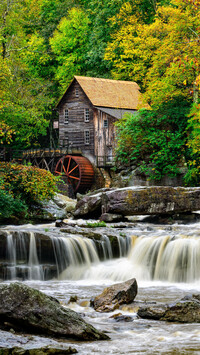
(187, 310)
(89, 206)
(37, 351)
(151, 200)
(65, 202)
(26, 309)
(140, 200)
(112, 297)
(109, 217)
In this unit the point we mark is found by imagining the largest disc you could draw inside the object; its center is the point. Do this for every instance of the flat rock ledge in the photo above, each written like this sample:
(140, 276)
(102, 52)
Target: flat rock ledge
(38, 351)
(130, 201)
(187, 310)
(114, 296)
(23, 308)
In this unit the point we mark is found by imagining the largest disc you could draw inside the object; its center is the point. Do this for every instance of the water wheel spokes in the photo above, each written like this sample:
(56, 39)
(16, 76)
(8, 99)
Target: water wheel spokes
(78, 171)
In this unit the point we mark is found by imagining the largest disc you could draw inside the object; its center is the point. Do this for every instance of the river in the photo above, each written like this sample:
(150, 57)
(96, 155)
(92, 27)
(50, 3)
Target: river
(164, 259)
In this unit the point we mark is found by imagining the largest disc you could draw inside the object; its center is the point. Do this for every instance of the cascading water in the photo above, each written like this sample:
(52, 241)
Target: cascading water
(149, 255)
(73, 255)
(11, 257)
(167, 258)
(76, 265)
(35, 256)
(35, 271)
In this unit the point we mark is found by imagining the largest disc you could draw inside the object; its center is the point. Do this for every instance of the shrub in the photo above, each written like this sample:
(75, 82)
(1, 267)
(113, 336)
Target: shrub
(21, 186)
(10, 206)
(29, 183)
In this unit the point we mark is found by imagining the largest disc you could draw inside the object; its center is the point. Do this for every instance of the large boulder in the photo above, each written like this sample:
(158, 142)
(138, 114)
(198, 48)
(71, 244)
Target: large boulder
(26, 309)
(187, 310)
(129, 201)
(89, 206)
(112, 297)
(151, 200)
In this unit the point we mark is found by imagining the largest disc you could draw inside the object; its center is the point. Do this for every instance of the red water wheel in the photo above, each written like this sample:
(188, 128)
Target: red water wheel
(78, 171)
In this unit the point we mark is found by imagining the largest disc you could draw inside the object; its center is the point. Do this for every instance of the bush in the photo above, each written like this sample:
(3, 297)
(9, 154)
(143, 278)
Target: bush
(10, 206)
(30, 183)
(21, 186)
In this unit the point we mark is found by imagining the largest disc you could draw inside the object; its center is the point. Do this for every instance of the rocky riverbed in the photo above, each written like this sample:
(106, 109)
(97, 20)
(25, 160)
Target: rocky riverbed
(163, 257)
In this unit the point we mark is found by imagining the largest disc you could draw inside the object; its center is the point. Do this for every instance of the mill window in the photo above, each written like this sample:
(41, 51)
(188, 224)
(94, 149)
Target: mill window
(105, 123)
(87, 137)
(87, 114)
(76, 92)
(66, 115)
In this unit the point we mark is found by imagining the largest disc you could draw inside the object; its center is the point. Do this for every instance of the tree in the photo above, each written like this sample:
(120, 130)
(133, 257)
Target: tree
(154, 140)
(24, 94)
(69, 43)
(163, 56)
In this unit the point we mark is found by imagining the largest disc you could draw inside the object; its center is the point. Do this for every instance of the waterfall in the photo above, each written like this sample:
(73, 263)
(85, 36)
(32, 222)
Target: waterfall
(73, 255)
(35, 271)
(124, 245)
(163, 256)
(106, 246)
(11, 257)
(37, 256)
(166, 258)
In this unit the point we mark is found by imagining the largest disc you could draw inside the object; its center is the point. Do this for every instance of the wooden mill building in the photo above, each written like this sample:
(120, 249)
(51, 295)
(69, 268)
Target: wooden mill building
(87, 113)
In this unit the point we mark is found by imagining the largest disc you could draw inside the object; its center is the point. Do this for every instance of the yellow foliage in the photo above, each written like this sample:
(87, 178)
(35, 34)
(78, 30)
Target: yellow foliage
(163, 57)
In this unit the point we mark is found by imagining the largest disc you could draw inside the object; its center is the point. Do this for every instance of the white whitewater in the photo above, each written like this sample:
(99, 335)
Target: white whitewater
(73, 254)
(151, 255)
(167, 258)
(35, 271)
(154, 258)
(11, 256)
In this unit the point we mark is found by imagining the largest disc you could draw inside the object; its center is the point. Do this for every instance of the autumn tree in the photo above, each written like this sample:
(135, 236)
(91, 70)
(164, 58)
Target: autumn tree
(163, 57)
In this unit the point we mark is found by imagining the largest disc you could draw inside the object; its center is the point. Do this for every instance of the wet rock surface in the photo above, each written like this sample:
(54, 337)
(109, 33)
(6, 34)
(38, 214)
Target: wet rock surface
(59, 207)
(23, 308)
(154, 200)
(187, 310)
(114, 296)
(37, 351)
(89, 205)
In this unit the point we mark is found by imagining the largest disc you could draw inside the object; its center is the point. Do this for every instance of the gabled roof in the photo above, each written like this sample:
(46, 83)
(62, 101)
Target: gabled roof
(110, 93)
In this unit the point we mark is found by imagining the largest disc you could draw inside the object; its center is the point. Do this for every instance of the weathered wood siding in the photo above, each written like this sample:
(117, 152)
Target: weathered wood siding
(73, 132)
(104, 136)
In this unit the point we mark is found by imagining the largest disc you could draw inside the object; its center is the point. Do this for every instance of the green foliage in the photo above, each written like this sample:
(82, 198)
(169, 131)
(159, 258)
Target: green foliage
(69, 44)
(10, 206)
(153, 140)
(193, 142)
(96, 224)
(155, 43)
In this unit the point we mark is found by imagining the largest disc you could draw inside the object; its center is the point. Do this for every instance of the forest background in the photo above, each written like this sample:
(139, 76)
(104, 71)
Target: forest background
(44, 43)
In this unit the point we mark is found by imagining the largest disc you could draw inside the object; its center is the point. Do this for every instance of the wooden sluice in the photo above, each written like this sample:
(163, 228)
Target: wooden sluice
(43, 158)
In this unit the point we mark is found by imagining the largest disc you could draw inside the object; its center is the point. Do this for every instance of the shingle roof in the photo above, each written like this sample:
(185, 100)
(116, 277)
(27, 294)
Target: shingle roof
(116, 112)
(111, 93)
